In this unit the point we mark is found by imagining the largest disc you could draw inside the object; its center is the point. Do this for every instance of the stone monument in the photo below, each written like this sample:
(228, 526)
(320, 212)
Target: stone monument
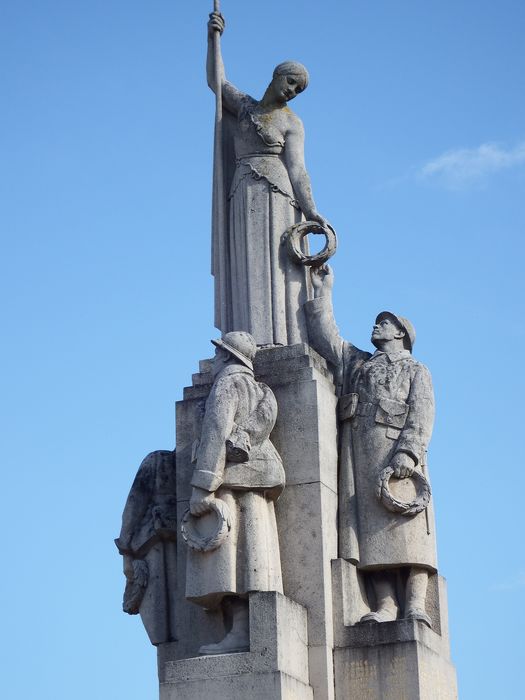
(287, 549)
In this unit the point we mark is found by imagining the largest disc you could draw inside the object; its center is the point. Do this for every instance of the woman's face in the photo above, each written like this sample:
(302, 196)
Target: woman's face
(286, 87)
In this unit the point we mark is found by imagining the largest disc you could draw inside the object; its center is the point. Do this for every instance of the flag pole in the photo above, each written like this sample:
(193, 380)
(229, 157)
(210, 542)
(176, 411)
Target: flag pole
(218, 214)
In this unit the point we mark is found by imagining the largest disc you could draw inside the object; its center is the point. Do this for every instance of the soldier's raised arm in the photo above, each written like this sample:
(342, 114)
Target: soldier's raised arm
(323, 332)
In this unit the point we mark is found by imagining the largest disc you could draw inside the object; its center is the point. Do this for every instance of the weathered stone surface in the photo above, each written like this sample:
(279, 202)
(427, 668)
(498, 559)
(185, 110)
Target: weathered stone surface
(215, 684)
(394, 661)
(386, 412)
(147, 543)
(363, 614)
(306, 511)
(275, 667)
(350, 604)
(328, 588)
(349, 598)
(231, 531)
(261, 188)
(306, 438)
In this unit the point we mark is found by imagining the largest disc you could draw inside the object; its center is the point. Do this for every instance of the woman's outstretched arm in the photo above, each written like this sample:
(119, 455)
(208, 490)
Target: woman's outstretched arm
(294, 157)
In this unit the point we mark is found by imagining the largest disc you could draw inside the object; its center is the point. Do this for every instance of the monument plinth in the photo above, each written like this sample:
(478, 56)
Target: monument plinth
(286, 549)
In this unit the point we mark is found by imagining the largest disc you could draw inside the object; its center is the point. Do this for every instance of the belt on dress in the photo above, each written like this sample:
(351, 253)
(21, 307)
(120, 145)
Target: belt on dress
(257, 155)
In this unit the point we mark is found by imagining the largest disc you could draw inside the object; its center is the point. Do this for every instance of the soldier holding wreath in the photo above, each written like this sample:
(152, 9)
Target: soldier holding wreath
(386, 413)
(238, 475)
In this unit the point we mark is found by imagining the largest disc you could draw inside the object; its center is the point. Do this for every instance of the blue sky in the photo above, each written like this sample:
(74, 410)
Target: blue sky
(415, 142)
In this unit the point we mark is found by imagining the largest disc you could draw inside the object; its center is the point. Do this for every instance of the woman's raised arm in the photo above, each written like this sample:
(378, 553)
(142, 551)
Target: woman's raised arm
(230, 95)
(215, 25)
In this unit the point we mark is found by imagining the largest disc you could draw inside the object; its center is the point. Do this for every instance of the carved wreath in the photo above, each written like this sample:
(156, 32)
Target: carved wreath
(414, 507)
(294, 235)
(207, 543)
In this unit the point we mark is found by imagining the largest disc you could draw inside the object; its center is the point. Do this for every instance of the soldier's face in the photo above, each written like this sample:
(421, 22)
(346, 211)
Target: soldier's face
(385, 330)
(220, 359)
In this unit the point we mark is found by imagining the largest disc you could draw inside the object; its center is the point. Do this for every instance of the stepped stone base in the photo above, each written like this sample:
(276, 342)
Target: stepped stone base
(275, 667)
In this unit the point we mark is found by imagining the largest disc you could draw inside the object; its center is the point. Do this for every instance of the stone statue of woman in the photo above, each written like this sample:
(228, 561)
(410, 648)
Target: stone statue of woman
(261, 187)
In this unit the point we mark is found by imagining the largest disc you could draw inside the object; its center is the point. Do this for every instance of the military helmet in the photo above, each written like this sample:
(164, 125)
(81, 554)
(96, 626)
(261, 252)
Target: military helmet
(404, 323)
(240, 344)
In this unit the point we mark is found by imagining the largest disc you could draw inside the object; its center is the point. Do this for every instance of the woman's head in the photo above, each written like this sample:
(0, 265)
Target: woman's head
(289, 79)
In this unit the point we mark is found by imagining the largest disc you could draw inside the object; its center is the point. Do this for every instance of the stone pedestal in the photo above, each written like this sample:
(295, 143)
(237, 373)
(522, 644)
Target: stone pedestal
(402, 660)
(305, 436)
(275, 668)
(307, 643)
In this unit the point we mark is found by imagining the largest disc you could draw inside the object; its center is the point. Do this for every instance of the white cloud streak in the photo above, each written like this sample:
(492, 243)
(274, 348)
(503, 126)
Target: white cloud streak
(467, 166)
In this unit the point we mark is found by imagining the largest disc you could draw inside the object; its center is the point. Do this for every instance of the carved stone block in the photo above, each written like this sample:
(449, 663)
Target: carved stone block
(275, 667)
(392, 660)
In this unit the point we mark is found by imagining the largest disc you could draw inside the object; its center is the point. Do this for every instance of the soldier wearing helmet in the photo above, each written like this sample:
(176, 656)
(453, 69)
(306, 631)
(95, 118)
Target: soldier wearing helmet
(237, 465)
(386, 414)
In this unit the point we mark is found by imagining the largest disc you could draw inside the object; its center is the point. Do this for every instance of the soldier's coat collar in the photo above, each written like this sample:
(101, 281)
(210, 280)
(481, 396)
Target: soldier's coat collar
(392, 356)
(234, 369)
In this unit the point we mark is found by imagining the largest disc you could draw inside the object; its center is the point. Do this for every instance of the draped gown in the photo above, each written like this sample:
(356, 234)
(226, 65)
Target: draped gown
(258, 288)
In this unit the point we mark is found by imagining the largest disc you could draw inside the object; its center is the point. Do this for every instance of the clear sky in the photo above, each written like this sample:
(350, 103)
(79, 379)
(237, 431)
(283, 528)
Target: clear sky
(415, 141)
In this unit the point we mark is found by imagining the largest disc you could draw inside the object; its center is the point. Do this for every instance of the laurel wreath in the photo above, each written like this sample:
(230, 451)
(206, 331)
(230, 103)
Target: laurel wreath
(198, 542)
(295, 234)
(405, 508)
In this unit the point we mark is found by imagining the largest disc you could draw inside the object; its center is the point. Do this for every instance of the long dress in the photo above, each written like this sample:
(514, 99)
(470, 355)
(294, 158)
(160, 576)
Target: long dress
(258, 288)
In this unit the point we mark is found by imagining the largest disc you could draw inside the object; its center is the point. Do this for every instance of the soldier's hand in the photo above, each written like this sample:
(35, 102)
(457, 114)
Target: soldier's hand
(403, 465)
(322, 279)
(200, 501)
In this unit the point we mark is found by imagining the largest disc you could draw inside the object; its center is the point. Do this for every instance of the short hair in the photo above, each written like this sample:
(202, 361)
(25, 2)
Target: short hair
(292, 68)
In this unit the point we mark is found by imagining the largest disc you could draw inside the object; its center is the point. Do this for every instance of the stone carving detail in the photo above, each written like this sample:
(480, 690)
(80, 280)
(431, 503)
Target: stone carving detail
(213, 539)
(261, 188)
(137, 576)
(386, 410)
(356, 521)
(419, 503)
(293, 237)
(238, 475)
(147, 543)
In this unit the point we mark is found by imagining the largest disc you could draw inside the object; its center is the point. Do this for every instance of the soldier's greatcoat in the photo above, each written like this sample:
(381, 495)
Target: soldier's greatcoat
(248, 559)
(148, 538)
(386, 406)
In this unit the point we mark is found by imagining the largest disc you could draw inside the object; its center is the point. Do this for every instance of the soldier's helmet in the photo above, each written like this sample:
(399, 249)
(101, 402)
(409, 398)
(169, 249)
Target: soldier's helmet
(240, 344)
(404, 323)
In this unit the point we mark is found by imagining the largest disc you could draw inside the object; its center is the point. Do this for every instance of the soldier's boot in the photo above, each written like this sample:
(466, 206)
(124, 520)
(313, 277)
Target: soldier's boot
(387, 607)
(238, 638)
(416, 593)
